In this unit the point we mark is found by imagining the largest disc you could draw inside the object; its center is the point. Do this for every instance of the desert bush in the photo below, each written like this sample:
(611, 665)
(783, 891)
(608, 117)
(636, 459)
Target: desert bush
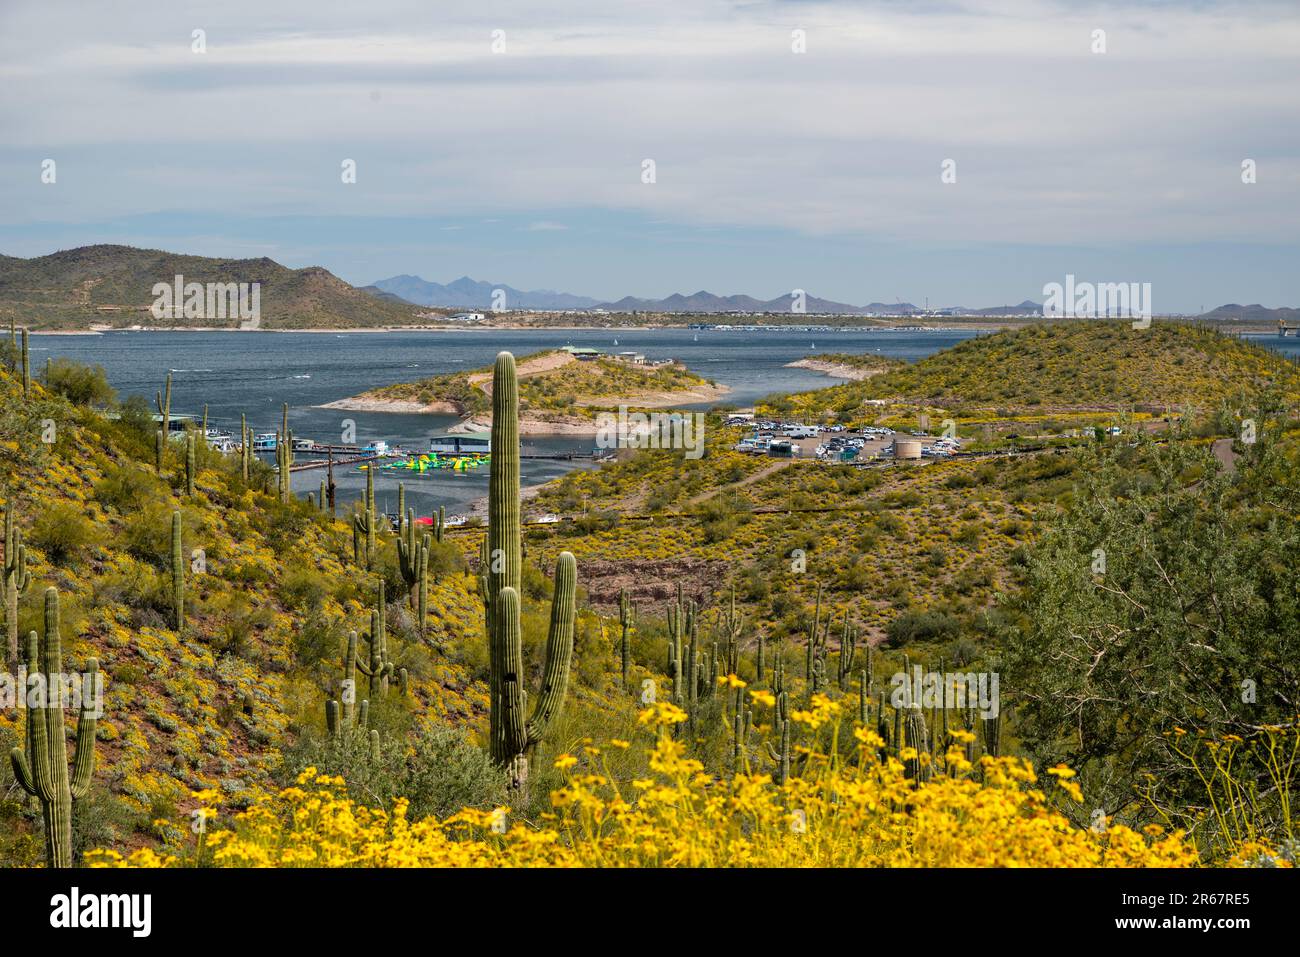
(79, 384)
(62, 532)
(921, 626)
(439, 773)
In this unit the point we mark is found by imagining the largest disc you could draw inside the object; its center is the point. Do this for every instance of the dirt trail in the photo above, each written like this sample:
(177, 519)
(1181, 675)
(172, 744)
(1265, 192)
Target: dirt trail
(529, 367)
(758, 476)
(1226, 456)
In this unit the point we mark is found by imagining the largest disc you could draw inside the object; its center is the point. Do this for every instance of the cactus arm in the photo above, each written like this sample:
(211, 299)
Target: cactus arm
(559, 649)
(511, 732)
(83, 759)
(178, 572)
(35, 769)
(22, 774)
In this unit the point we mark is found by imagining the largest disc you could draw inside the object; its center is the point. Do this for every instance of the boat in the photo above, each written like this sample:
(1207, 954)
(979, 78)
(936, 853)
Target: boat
(465, 443)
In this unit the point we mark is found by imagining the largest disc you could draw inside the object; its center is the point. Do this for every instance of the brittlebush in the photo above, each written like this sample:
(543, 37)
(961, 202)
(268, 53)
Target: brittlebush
(859, 813)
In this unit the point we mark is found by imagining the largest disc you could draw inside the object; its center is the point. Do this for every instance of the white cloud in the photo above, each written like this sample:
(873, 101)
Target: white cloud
(1052, 142)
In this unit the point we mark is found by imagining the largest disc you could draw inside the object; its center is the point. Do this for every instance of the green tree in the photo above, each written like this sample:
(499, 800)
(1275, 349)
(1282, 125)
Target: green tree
(1165, 600)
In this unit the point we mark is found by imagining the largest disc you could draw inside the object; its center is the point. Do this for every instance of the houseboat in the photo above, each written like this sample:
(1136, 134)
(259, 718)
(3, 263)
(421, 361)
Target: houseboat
(467, 443)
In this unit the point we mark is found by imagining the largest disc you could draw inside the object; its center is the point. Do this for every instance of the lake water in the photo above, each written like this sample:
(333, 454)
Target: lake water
(253, 373)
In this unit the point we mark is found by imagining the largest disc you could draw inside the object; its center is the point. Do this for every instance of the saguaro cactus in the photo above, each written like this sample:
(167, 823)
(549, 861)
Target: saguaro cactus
(43, 770)
(626, 618)
(164, 400)
(915, 736)
(330, 488)
(189, 464)
(364, 522)
(681, 617)
(413, 562)
(16, 580)
(815, 655)
(377, 667)
(512, 735)
(848, 649)
(344, 712)
(732, 624)
(284, 455)
(780, 756)
(245, 447)
(27, 367)
(178, 573)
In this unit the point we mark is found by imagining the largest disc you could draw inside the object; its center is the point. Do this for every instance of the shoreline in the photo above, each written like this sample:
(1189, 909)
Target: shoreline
(530, 423)
(976, 324)
(837, 370)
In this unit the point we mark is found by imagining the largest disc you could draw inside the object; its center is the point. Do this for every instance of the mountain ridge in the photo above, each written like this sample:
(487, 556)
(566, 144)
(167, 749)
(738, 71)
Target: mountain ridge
(112, 285)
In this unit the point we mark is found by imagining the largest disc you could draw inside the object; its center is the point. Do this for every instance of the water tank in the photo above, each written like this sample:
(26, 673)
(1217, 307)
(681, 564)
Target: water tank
(907, 448)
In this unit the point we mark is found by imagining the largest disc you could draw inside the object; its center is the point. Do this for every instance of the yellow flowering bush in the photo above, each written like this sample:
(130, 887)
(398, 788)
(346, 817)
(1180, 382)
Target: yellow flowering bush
(863, 812)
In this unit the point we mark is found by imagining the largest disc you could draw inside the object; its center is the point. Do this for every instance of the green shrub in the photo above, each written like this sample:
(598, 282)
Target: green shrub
(62, 532)
(79, 384)
(922, 626)
(440, 773)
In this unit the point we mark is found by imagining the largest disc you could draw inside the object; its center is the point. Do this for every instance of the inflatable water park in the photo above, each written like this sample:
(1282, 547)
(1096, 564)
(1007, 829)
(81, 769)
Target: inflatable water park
(429, 462)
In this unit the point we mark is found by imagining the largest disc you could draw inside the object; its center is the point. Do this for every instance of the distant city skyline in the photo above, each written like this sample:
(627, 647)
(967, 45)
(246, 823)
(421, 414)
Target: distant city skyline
(966, 153)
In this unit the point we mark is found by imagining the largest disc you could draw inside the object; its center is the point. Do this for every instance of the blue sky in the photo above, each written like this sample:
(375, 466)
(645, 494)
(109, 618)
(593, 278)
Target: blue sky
(775, 170)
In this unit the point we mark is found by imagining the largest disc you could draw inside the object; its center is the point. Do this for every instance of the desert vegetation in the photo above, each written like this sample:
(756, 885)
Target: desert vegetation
(700, 667)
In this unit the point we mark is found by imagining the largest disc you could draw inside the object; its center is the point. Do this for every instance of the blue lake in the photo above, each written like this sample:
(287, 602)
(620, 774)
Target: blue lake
(253, 373)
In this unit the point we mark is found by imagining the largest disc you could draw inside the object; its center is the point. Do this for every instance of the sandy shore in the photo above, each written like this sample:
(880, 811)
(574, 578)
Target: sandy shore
(836, 369)
(364, 403)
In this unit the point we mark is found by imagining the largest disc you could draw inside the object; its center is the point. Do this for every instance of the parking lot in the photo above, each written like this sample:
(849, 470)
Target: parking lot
(846, 446)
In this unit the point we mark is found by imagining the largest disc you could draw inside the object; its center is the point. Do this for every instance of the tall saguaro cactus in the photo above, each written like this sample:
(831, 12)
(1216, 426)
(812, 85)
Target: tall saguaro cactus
(848, 651)
(43, 770)
(189, 463)
(284, 455)
(364, 521)
(178, 574)
(513, 734)
(164, 400)
(815, 657)
(27, 366)
(245, 447)
(339, 716)
(378, 667)
(626, 618)
(413, 562)
(16, 580)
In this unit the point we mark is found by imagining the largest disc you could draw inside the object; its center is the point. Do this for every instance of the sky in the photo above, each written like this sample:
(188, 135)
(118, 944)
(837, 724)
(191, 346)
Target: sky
(927, 151)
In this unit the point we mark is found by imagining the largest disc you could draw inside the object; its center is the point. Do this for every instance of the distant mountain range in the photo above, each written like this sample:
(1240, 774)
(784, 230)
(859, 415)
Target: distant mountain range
(470, 293)
(112, 285)
(1252, 313)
